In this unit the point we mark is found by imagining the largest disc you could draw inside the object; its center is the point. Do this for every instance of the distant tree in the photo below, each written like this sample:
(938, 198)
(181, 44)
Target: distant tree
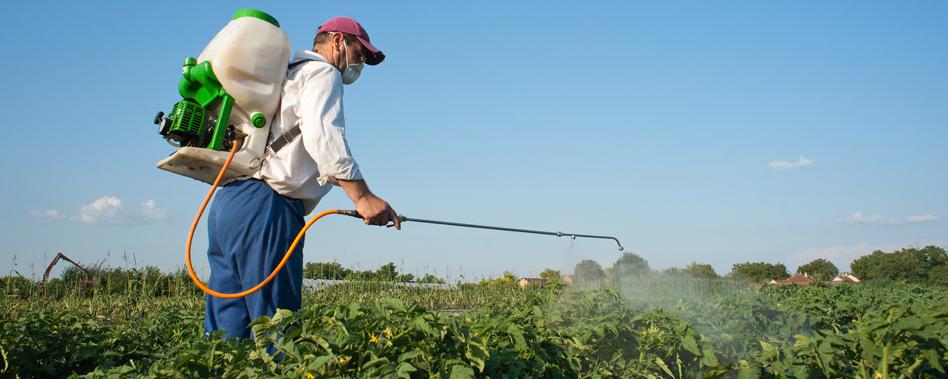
(938, 275)
(760, 272)
(908, 264)
(550, 274)
(386, 272)
(405, 278)
(629, 265)
(588, 272)
(820, 270)
(701, 270)
(429, 278)
(321, 270)
(16, 285)
(74, 276)
(334, 271)
(508, 279)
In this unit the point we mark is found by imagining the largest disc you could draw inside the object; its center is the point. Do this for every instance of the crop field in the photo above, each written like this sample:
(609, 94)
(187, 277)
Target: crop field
(652, 326)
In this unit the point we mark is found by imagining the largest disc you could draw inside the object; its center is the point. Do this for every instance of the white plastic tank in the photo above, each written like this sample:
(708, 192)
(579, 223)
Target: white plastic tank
(249, 57)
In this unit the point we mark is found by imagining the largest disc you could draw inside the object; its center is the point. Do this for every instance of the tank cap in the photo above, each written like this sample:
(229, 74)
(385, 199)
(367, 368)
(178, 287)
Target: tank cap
(256, 14)
(258, 119)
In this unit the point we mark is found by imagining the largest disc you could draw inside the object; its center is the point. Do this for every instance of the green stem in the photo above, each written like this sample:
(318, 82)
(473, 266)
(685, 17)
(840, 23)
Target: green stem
(909, 371)
(885, 361)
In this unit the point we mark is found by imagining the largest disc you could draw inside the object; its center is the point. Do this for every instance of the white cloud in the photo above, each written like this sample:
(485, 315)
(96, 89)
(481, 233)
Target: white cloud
(104, 209)
(51, 214)
(151, 212)
(860, 218)
(110, 210)
(922, 218)
(785, 165)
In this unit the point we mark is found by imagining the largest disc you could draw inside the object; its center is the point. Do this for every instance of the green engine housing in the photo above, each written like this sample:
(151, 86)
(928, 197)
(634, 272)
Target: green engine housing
(187, 124)
(188, 120)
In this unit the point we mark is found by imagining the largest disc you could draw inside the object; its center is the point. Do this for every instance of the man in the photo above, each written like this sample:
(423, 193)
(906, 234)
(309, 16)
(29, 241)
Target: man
(253, 222)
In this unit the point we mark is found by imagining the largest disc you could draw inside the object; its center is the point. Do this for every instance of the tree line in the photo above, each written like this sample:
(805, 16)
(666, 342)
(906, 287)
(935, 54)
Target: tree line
(927, 265)
(385, 273)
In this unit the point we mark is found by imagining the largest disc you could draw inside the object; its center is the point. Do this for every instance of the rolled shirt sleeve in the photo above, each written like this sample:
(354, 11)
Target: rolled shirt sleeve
(322, 126)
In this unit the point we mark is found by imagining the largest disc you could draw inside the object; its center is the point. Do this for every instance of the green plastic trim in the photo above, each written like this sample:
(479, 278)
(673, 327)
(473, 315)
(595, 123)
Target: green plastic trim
(256, 14)
(198, 83)
(258, 119)
(217, 138)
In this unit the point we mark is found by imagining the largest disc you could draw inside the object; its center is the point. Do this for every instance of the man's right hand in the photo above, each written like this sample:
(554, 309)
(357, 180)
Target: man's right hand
(376, 211)
(373, 209)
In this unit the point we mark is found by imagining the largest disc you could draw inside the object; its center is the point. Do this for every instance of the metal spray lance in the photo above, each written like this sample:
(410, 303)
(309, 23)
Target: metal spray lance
(505, 229)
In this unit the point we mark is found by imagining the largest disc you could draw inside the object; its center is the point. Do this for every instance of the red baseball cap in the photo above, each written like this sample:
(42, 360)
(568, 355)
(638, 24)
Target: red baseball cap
(351, 27)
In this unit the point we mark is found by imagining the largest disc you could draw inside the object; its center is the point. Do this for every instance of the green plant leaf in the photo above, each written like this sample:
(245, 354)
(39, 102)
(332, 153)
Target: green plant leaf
(661, 364)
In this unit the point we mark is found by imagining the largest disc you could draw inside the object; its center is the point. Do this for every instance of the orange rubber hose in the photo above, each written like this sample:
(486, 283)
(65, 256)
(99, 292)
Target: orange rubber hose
(286, 257)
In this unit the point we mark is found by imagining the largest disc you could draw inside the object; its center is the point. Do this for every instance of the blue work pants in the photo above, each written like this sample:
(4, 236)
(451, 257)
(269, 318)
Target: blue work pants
(249, 228)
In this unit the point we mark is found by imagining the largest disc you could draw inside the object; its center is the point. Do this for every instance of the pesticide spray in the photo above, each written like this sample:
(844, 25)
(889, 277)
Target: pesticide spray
(230, 93)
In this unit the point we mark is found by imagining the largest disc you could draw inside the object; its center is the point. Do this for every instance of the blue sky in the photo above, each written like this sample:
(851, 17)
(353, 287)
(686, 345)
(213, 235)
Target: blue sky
(716, 132)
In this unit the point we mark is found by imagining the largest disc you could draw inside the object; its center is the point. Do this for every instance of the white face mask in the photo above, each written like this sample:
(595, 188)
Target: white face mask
(352, 71)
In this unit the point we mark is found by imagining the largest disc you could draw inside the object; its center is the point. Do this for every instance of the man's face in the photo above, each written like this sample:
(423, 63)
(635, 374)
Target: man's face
(357, 53)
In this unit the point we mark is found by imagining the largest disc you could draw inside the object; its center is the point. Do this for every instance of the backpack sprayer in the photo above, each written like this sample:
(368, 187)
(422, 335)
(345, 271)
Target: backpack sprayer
(230, 92)
(228, 95)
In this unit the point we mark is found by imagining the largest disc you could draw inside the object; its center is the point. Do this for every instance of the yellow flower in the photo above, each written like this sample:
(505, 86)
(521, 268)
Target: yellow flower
(310, 375)
(330, 321)
(388, 332)
(343, 361)
(373, 339)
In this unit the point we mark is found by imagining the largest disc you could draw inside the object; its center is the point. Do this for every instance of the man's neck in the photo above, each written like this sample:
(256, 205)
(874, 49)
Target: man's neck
(325, 51)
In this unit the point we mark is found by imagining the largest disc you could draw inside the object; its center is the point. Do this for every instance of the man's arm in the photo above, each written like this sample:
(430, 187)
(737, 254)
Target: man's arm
(323, 129)
(322, 124)
(374, 210)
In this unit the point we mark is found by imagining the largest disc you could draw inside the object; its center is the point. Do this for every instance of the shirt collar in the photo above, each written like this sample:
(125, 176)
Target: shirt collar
(307, 55)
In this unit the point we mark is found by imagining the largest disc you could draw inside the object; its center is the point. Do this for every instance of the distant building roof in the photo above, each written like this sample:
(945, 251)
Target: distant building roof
(800, 279)
(846, 278)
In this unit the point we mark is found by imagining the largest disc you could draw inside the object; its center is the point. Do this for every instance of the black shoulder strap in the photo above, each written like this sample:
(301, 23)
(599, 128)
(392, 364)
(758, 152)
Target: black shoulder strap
(284, 139)
(287, 136)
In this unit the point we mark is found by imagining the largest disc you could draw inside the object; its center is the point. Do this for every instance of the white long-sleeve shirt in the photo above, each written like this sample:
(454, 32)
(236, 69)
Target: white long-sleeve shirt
(306, 168)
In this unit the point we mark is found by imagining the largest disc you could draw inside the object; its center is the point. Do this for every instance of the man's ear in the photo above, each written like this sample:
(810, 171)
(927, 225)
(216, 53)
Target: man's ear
(337, 38)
